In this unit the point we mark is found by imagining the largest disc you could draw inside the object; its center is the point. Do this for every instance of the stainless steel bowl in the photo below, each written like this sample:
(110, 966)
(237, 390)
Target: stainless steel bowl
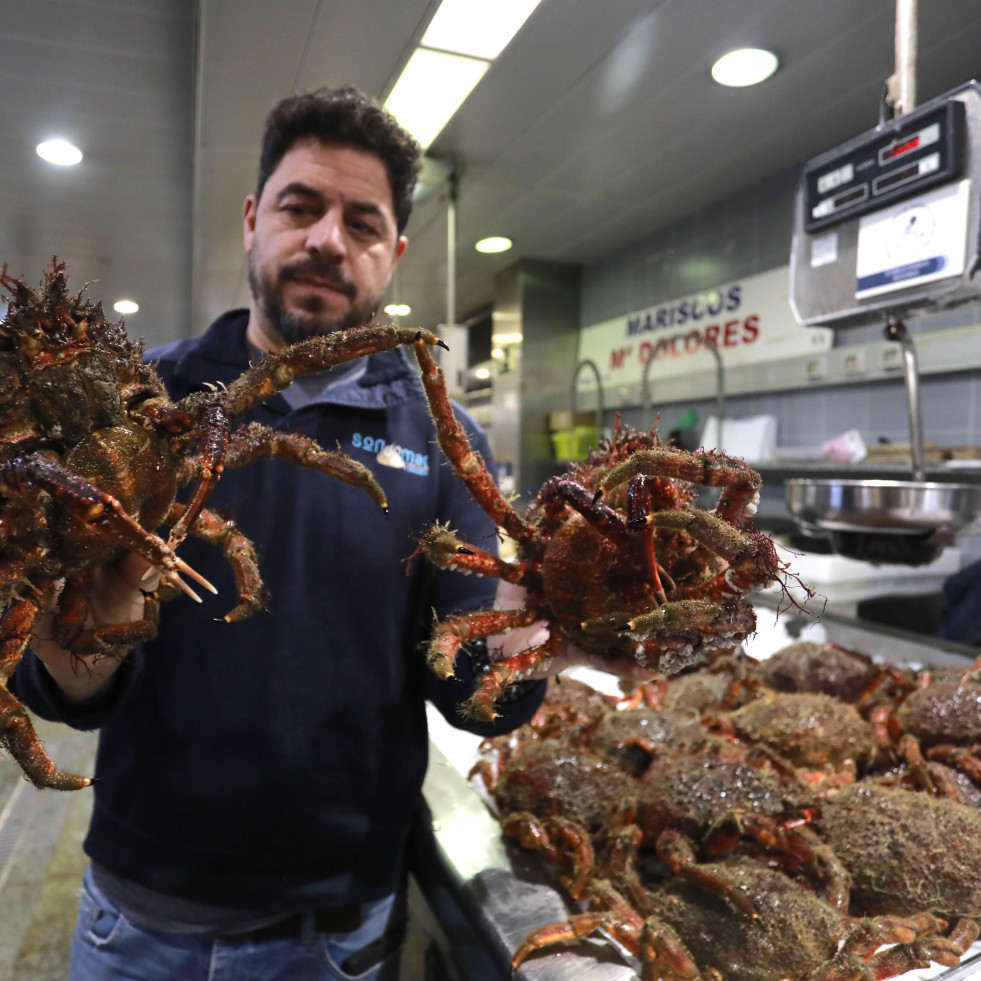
(900, 507)
(885, 521)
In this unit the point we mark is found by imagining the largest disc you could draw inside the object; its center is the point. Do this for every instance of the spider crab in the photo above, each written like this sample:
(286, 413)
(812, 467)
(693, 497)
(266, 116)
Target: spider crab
(555, 799)
(680, 933)
(92, 454)
(940, 721)
(614, 556)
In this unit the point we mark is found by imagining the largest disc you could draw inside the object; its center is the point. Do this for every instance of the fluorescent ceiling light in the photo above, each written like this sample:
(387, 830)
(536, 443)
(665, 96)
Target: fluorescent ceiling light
(125, 306)
(747, 66)
(496, 243)
(431, 89)
(479, 28)
(398, 309)
(59, 152)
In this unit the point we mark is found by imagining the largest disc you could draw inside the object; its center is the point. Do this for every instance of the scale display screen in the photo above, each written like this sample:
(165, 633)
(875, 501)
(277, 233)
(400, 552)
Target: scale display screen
(901, 158)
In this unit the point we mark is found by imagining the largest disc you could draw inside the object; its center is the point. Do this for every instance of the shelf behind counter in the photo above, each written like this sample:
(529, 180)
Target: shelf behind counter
(488, 893)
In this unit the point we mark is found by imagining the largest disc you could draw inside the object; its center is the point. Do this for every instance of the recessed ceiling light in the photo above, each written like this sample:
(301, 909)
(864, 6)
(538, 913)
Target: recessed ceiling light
(496, 243)
(747, 66)
(125, 306)
(59, 152)
(398, 309)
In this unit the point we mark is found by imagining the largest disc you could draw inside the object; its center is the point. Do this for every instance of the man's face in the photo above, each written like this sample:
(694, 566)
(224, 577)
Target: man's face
(322, 243)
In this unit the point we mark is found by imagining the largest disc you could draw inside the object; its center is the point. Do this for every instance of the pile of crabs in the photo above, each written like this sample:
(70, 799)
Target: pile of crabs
(814, 816)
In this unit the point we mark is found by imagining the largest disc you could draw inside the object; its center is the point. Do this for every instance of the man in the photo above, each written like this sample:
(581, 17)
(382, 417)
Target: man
(257, 781)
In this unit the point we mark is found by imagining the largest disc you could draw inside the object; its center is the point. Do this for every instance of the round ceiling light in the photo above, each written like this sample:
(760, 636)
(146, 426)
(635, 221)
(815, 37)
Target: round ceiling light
(747, 66)
(125, 306)
(59, 152)
(496, 243)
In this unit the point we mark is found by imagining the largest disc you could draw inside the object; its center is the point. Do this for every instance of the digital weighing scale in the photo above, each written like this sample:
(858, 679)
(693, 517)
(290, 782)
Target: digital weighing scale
(887, 226)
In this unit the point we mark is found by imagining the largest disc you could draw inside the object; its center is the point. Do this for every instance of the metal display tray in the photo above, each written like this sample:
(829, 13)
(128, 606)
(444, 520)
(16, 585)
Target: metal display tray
(504, 891)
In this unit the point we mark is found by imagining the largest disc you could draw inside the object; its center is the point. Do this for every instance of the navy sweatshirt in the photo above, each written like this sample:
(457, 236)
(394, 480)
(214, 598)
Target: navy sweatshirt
(277, 762)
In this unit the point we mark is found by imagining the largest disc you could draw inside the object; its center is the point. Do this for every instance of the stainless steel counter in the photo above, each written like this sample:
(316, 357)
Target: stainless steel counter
(491, 893)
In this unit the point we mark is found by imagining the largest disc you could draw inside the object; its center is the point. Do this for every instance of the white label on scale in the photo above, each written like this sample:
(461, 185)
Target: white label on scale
(916, 241)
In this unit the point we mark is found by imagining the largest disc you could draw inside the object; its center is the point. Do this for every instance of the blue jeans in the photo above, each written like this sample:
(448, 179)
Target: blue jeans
(108, 947)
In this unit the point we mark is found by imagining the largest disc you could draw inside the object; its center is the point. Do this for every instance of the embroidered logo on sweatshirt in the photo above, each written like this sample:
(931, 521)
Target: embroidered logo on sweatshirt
(392, 455)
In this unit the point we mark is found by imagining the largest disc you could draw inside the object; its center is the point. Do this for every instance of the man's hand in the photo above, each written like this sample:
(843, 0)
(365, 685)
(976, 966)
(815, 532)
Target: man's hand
(116, 597)
(511, 597)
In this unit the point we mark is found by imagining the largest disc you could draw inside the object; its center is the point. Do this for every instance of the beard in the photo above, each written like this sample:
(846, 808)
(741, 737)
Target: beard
(295, 325)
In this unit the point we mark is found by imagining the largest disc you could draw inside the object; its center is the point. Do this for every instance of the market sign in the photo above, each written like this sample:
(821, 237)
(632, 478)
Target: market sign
(749, 321)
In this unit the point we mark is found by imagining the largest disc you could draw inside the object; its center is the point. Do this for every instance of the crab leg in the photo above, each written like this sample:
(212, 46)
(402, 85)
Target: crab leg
(17, 734)
(72, 633)
(440, 546)
(451, 633)
(467, 463)
(752, 558)
(315, 354)
(511, 669)
(638, 507)
(615, 915)
(97, 511)
(212, 456)
(257, 442)
(692, 615)
(240, 553)
(740, 484)
(556, 838)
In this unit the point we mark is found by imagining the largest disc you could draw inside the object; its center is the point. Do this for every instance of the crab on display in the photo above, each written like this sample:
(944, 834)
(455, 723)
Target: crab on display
(729, 855)
(680, 933)
(614, 556)
(92, 455)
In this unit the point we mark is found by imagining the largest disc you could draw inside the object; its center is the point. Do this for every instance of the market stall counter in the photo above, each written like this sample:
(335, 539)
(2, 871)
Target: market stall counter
(488, 893)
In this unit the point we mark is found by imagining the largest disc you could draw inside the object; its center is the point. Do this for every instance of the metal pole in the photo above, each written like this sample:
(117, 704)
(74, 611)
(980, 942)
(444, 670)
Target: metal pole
(896, 331)
(453, 185)
(903, 82)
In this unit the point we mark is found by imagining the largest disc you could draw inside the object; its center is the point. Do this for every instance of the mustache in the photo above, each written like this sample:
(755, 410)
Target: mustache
(319, 269)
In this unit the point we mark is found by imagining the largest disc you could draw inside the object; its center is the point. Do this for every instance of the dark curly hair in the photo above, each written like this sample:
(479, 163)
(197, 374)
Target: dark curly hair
(348, 117)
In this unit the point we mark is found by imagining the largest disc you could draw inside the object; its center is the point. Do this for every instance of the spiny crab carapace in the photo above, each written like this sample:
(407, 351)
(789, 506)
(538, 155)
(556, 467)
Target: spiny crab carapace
(92, 455)
(614, 556)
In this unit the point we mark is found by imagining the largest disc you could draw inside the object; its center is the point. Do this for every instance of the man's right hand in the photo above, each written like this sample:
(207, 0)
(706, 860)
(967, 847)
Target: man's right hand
(116, 597)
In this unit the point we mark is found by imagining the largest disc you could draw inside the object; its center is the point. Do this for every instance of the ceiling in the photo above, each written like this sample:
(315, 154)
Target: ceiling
(596, 126)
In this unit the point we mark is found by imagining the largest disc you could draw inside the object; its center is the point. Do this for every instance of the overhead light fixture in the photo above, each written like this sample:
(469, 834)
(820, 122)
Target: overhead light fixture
(59, 152)
(476, 28)
(495, 243)
(747, 66)
(125, 306)
(462, 39)
(431, 89)
(398, 309)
